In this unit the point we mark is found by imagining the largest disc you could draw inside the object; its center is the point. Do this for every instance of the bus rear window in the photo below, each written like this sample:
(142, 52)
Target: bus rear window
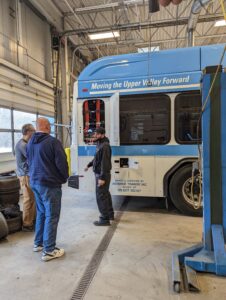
(144, 119)
(187, 112)
(93, 117)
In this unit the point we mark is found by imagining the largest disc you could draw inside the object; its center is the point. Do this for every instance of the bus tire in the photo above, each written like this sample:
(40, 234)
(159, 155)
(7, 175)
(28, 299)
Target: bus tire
(177, 189)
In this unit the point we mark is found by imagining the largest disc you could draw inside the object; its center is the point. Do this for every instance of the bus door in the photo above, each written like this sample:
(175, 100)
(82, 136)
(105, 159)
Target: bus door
(133, 167)
(91, 114)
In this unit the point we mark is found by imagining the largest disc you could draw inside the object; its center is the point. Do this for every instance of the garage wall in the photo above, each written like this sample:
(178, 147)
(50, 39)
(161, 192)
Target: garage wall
(8, 34)
(25, 65)
(25, 38)
(22, 90)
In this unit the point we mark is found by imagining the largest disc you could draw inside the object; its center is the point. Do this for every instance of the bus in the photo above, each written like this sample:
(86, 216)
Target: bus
(149, 104)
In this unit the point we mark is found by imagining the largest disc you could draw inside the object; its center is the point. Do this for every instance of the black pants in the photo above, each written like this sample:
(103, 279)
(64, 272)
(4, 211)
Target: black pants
(103, 196)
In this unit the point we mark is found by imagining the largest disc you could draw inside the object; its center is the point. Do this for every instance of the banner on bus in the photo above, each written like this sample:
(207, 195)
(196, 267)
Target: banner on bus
(158, 83)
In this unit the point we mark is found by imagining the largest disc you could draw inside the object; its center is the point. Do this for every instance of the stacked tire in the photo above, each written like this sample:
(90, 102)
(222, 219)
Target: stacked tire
(9, 189)
(3, 227)
(9, 203)
(13, 217)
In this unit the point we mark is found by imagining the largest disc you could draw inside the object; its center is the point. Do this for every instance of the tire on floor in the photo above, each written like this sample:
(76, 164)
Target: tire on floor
(14, 221)
(3, 227)
(9, 189)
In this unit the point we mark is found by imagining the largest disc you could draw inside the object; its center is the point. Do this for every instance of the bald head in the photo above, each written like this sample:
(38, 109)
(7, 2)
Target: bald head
(43, 125)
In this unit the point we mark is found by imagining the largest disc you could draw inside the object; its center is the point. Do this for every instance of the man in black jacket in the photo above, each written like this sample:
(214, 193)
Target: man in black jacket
(102, 168)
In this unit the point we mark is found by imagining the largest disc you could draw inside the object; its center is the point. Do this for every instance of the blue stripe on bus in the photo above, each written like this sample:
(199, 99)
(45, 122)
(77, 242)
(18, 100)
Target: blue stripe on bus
(147, 150)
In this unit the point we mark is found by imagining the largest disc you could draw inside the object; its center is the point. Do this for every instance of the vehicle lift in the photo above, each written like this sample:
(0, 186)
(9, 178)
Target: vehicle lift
(210, 255)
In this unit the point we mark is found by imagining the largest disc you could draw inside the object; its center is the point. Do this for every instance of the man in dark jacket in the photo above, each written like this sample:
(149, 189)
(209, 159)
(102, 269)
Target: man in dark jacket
(102, 168)
(48, 171)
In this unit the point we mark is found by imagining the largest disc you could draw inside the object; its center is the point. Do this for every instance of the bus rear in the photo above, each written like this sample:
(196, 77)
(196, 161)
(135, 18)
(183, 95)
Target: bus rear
(149, 105)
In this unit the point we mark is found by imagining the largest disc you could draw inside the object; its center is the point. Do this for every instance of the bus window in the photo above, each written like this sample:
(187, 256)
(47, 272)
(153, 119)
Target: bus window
(144, 119)
(187, 112)
(93, 117)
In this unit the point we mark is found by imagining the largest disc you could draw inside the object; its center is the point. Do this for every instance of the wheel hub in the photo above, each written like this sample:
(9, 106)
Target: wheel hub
(191, 191)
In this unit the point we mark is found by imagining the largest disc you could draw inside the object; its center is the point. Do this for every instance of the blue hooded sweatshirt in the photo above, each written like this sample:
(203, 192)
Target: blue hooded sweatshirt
(46, 160)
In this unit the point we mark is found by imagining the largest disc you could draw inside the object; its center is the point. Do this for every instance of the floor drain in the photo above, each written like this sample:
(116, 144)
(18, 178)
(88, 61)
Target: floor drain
(93, 265)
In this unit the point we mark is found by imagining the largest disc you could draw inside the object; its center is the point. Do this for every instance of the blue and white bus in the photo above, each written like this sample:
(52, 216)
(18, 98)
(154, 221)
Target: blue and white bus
(149, 104)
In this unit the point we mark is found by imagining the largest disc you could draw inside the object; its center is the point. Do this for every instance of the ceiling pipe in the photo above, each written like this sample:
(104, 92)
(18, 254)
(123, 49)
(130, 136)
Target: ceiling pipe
(193, 19)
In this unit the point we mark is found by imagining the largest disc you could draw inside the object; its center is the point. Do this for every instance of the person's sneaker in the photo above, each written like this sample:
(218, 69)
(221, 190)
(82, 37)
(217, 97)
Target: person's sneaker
(102, 223)
(112, 218)
(37, 248)
(56, 253)
(28, 228)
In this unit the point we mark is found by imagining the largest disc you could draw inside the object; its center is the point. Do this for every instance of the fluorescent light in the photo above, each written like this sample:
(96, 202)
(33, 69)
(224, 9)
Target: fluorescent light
(104, 35)
(148, 49)
(220, 23)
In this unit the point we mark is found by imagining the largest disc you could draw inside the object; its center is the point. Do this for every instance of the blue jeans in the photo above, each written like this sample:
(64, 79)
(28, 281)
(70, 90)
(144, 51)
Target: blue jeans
(48, 206)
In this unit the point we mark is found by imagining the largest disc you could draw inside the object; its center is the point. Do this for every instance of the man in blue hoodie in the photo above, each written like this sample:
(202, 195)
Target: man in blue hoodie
(48, 171)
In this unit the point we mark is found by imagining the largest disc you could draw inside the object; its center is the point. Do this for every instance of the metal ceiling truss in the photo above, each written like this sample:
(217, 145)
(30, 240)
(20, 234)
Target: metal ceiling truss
(106, 7)
(79, 20)
(139, 43)
(142, 25)
(137, 27)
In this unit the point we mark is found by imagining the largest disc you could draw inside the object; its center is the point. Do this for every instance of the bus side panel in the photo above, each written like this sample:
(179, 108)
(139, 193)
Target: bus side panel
(135, 179)
(144, 179)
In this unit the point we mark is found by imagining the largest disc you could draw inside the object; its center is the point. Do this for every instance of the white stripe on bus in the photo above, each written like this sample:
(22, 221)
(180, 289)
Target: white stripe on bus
(148, 89)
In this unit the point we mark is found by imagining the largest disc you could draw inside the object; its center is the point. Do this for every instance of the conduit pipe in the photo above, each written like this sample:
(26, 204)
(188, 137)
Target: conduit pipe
(193, 19)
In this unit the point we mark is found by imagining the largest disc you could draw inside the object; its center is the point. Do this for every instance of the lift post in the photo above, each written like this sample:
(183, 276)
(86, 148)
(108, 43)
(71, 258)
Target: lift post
(210, 255)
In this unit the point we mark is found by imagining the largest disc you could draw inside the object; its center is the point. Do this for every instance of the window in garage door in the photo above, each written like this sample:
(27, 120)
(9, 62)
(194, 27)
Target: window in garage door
(11, 122)
(20, 118)
(5, 130)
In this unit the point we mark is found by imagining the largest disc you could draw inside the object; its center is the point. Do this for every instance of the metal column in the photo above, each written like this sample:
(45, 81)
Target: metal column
(210, 256)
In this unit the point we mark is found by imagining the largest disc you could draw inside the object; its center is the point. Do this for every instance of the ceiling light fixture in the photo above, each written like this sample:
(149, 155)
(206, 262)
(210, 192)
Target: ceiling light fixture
(104, 35)
(220, 23)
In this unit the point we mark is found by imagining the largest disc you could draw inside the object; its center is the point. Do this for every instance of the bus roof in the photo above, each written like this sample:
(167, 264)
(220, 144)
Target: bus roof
(166, 70)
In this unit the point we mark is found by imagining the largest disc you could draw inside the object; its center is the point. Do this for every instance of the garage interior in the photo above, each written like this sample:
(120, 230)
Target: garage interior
(44, 46)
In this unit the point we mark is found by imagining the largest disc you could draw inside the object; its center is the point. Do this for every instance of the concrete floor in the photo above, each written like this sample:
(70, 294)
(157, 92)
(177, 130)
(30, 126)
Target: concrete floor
(136, 266)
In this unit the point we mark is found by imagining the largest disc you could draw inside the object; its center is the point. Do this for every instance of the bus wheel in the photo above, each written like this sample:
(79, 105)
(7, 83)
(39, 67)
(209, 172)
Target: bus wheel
(180, 189)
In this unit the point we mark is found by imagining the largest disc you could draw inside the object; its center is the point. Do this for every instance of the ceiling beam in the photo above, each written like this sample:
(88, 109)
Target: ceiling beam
(105, 7)
(139, 43)
(143, 25)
